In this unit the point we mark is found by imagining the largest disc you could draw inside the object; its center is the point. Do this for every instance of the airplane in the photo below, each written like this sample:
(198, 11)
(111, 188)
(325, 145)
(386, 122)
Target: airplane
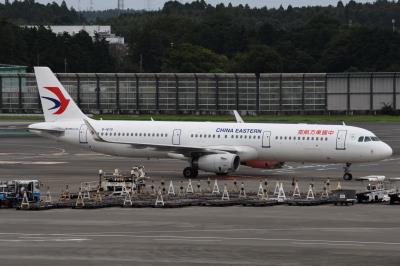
(218, 147)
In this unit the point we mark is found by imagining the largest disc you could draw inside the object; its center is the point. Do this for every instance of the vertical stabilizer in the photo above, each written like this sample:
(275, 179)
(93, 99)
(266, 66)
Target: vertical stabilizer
(57, 104)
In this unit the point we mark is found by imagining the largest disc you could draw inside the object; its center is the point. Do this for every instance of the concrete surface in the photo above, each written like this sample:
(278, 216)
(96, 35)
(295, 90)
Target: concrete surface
(279, 235)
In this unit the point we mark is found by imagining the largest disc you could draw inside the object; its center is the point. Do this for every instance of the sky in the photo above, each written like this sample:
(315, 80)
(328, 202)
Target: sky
(156, 4)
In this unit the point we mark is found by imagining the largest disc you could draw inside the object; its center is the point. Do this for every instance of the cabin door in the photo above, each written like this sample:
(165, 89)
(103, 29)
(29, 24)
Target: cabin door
(266, 139)
(176, 137)
(341, 140)
(83, 134)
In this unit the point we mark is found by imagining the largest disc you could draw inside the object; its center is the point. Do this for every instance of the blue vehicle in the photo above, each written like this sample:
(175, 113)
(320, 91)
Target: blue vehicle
(12, 192)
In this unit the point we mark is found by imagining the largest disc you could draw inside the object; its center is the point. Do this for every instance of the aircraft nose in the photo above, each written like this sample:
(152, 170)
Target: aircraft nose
(386, 151)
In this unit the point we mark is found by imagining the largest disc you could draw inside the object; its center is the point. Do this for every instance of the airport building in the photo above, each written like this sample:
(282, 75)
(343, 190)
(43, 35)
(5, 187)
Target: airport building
(281, 93)
(103, 31)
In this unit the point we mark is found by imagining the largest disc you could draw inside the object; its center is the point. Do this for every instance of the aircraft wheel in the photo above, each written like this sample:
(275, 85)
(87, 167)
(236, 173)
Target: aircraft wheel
(188, 172)
(347, 176)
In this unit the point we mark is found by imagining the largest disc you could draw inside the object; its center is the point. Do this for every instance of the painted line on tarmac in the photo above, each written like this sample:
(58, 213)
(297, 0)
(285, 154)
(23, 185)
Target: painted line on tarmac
(29, 163)
(187, 240)
(327, 244)
(221, 238)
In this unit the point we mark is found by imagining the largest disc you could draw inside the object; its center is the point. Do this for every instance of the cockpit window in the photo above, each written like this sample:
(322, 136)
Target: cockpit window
(375, 138)
(360, 139)
(367, 139)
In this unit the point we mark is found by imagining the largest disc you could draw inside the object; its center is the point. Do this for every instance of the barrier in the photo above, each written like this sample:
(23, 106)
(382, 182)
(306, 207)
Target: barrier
(215, 188)
(225, 195)
(296, 190)
(171, 189)
(189, 188)
(310, 193)
(160, 199)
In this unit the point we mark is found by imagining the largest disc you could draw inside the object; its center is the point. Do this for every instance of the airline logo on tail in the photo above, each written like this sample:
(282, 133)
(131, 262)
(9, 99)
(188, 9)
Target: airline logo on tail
(61, 103)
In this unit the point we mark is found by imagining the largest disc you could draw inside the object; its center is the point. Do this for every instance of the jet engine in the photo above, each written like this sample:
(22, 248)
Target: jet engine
(218, 163)
(264, 164)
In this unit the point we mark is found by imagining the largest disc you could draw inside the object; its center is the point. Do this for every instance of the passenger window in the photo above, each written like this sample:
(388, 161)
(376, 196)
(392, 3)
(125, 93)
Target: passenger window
(360, 139)
(195, 135)
(367, 139)
(237, 136)
(191, 135)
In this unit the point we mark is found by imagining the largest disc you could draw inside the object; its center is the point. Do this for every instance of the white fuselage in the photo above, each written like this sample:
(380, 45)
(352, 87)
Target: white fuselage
(253, 141)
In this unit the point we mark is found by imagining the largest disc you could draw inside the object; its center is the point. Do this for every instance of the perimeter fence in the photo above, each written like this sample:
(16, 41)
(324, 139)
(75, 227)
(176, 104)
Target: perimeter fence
(316, 93)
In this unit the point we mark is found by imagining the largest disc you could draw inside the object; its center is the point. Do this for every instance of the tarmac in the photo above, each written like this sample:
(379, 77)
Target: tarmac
(278, 235)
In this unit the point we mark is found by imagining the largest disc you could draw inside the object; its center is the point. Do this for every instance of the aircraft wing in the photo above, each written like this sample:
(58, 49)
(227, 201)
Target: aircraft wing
(188, 151)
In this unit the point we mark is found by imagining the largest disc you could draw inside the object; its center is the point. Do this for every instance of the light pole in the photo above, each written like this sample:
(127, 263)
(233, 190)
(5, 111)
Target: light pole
(394, 25)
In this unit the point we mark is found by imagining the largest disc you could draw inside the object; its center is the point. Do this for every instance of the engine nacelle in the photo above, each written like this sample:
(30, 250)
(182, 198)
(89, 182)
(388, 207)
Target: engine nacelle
(265, 164)
(218, 163)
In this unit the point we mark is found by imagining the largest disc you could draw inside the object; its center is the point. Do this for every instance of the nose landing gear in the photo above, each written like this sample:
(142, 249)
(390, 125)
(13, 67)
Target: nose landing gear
(347, 175)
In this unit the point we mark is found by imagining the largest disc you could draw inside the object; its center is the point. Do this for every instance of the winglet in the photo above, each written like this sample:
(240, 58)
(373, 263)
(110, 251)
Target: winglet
(238, 117)
(93, 131)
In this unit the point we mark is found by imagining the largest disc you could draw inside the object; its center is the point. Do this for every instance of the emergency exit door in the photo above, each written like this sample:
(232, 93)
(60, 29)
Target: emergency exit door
(83, 134)
(341, 140)
(176, 137)
(266, 140)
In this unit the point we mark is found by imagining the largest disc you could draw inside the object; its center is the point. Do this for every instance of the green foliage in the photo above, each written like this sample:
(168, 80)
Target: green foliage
(305, 39)
(29, 12)
(39, 46)
(259, 59)
(198, 37)
(188, 58)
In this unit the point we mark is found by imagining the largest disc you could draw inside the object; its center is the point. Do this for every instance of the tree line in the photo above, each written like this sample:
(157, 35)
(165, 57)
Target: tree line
(198, 37)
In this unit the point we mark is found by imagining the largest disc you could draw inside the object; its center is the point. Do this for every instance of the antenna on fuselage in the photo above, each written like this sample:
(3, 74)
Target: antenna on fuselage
(344, 123)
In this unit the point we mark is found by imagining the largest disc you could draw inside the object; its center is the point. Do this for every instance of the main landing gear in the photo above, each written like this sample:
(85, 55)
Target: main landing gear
(190, 172)
(347, 175)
